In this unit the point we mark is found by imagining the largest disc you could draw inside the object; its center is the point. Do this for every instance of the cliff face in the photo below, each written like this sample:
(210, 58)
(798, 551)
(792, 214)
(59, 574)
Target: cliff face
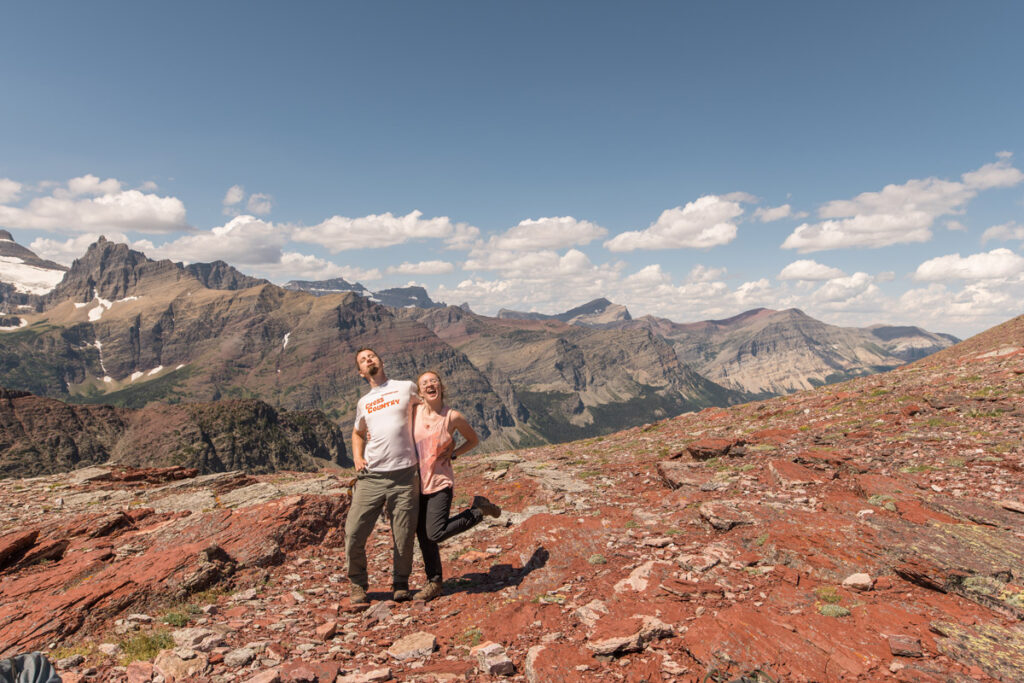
(576, 381)
(41, 436)
(767, 352)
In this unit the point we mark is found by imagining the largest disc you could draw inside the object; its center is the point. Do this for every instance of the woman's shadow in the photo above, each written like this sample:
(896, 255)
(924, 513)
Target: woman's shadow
(498, 577)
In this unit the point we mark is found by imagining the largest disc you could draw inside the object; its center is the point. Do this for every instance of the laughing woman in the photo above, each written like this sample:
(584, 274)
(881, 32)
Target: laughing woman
(434, 427)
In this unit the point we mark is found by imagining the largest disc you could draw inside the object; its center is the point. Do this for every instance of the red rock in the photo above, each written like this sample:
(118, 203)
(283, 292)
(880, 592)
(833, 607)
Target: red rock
(140, 672)
(297, 671)
(326, 671)
(905, 646)
(790, 474)
(705, 449)
(326, 631)
(268, 676)
(883, 583)
(14, 544)
(177, 560)
(910, 409)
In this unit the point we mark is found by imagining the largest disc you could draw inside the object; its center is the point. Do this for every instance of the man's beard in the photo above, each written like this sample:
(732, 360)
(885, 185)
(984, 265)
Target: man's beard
(373, 370)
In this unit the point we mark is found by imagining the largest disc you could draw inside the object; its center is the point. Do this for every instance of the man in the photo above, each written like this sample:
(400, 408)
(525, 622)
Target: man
(387, 476)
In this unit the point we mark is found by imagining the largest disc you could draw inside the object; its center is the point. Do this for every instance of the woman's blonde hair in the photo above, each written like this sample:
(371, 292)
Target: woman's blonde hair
(440, 382)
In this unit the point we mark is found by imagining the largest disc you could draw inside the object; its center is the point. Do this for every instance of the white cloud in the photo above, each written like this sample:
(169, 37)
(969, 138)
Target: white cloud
(259, 204)
(89, 185)
(806, 269)
(956, 226)
(234, 195)
(996, 264)
(845, 288)
(244, 240)
(339, 233)
(423, 268)
(707, 222)
(9, 190)
(898, 214)
(702, 273)
(1004, 233)
(296, 266)
(88, 204)
(978, 305)
(148, 186)
(548, 233)
(767, 215)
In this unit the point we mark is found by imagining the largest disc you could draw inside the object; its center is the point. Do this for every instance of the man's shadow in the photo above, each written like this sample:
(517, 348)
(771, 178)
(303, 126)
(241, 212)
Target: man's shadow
(498, 577)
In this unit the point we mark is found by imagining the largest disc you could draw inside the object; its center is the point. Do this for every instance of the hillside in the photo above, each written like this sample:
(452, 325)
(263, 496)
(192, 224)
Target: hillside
(41, 436)
(870, 530)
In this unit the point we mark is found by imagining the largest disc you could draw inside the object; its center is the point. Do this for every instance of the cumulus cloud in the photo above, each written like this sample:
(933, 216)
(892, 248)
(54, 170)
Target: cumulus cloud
(148, 186)
(956, 226)
(339, 233)
(767, 215)
(423, 268)
(806, 269)
(898, 214)
(9, 190)
(548, 233)
(296, 266)
(244, 240)
(702, 273)
(1004, 233)
(259, 204)
(996, 264)
(89, 185)
(234, 195)
(88, 204)
(707, 222)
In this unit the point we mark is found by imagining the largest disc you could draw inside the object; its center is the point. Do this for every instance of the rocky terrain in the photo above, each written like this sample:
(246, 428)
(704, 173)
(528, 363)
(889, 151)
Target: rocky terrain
(870, 530)
(43, 436)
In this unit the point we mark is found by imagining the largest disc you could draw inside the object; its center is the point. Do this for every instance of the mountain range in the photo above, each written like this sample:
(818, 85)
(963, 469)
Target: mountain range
(125, 330)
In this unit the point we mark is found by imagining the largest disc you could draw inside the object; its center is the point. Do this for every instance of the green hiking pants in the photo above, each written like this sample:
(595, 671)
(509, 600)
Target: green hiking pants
(398, 492)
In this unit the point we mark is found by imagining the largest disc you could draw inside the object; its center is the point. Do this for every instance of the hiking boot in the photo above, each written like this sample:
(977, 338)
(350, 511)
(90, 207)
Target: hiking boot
(401, 595)
(357, 595)
(429, 592)
(485, 506)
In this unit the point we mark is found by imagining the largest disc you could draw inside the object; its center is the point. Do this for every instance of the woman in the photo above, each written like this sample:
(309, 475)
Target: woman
(434, 427)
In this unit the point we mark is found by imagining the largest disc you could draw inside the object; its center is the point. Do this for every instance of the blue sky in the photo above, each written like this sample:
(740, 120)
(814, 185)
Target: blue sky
(690, 160)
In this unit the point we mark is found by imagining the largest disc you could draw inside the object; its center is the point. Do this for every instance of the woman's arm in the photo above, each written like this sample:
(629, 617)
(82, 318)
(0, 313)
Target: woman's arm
(459, 424)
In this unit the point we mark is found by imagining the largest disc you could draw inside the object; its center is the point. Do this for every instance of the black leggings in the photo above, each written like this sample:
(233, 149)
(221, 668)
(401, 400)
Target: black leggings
(435, 526)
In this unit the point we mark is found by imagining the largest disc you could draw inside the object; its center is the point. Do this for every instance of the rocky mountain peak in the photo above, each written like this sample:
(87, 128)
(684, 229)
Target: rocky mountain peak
(112, 270)
(23, 272)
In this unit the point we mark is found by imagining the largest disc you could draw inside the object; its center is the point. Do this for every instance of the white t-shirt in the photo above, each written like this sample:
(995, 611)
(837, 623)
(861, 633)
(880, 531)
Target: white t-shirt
(385, 413)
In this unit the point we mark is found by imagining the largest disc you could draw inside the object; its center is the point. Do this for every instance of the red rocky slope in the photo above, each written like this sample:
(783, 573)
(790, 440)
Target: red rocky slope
(872, 530)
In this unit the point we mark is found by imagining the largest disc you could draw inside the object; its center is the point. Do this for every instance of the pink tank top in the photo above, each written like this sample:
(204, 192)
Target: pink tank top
(434, 445)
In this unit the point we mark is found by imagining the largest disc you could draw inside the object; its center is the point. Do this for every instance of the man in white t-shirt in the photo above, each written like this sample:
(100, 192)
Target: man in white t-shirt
(387, 475)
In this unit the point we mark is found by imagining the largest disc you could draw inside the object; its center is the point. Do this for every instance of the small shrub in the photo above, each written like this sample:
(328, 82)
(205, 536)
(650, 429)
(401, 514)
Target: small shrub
(831, 610)
(597, 559)
(471, 636)
(176, 619)
(827, 594)
(145, 645)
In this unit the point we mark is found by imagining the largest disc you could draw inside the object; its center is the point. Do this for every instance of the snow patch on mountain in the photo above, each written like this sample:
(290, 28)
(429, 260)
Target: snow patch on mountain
(26, 278)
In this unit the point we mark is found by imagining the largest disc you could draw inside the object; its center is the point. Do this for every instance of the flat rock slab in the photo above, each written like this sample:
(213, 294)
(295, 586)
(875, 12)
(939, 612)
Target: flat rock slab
(996, 650)
(724, 516)
(413, 646)
(789, 474)
(683, 474)
(705, 449)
